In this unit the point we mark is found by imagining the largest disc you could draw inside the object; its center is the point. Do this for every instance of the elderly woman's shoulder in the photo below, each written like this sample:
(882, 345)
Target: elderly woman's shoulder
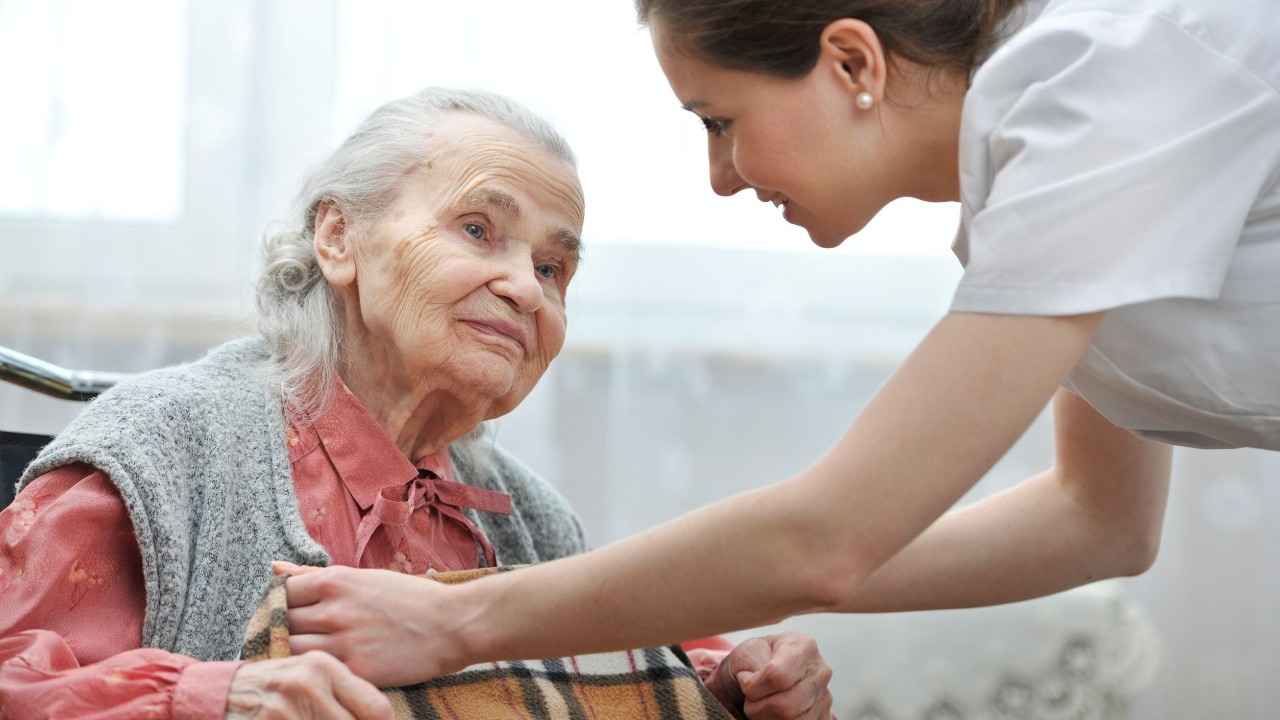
(216, 407)
(228, 377)
(479, 460)
(544, 525)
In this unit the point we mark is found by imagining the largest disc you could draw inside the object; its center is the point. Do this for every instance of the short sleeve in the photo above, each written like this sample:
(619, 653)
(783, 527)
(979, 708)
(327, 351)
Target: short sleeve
(1106, 160)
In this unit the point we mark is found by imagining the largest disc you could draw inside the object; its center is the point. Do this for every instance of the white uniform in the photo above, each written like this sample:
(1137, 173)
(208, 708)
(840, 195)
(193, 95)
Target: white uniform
(1124, 155)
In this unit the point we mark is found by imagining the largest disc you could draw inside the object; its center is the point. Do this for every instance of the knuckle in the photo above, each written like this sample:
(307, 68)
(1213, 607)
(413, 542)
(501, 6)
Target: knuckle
(275, 706)
(330, 578)
(771, 675)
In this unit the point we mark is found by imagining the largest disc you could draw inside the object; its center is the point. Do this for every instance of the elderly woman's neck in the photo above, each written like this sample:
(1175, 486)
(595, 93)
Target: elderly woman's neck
(420, 420)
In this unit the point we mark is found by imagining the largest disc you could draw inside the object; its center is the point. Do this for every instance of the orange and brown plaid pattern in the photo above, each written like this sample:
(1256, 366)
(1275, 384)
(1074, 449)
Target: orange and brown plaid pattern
(647, 684)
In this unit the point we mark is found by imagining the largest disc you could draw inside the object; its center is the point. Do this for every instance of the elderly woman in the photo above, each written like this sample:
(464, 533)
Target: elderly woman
(421, 293)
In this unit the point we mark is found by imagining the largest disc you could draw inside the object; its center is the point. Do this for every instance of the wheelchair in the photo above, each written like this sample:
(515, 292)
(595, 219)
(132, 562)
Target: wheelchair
(18, 449)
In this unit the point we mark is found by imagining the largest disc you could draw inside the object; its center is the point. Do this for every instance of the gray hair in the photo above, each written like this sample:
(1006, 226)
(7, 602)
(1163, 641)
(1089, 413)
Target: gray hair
(297, 311)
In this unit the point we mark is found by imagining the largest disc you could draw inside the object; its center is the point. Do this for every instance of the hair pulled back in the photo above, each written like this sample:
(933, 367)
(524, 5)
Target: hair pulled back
(781, 38)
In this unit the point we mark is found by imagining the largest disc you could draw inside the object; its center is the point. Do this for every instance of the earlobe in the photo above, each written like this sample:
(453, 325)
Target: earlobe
(332, 245)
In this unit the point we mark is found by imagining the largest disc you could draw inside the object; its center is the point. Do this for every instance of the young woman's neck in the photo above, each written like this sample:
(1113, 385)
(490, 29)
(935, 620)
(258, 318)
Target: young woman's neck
(926, 104)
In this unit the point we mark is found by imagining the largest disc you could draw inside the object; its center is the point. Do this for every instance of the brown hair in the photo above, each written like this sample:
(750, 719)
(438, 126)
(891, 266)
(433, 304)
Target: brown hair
(781, 38)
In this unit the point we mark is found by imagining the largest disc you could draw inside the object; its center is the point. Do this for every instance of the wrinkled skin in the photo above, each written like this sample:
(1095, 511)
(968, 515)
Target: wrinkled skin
(452, 305)
(314, 685)
(776, 677)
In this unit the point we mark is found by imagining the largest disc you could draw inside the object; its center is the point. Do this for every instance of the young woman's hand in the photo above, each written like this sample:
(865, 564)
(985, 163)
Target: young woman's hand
(389, 628)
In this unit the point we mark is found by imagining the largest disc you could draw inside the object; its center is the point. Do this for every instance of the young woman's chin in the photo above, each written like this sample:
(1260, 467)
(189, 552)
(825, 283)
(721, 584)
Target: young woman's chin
(829, 235)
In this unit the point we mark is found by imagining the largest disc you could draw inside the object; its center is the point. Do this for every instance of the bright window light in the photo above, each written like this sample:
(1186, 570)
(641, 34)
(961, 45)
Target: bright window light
(94, 93)
(588, 66)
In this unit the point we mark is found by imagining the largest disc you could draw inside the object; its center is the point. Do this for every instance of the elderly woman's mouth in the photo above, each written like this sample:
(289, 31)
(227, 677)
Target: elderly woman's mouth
(501, 331)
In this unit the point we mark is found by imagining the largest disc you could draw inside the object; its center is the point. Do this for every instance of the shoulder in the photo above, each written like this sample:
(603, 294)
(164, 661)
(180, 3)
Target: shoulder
(1081, 84)
(235, 360)
(158, 411)
(539, 508)
(479, 460)
(1111, 41)
(221, 376)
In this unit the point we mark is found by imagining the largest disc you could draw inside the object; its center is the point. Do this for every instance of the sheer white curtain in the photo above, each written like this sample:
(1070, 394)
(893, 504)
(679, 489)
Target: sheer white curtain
(711, 348)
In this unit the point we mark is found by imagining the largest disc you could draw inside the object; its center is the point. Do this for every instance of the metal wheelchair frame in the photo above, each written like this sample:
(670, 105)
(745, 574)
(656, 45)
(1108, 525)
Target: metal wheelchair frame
(18, 449)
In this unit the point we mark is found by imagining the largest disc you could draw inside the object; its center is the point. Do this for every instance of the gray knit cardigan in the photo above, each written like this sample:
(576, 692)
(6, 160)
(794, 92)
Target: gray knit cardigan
(198, 454)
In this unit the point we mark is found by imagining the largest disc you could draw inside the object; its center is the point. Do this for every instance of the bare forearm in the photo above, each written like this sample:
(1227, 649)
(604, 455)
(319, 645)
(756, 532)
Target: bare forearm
(669, 584)
(1027, 542)
(805, 545)
(1096, 514)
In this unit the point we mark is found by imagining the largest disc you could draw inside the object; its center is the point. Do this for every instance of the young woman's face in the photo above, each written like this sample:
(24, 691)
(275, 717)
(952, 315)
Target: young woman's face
(800, 144)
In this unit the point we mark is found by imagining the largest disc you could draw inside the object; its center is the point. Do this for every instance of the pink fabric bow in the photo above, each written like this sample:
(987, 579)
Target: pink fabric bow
(443, 500)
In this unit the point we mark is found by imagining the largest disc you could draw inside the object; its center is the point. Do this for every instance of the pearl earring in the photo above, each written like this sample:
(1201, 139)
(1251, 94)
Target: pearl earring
(864, 100)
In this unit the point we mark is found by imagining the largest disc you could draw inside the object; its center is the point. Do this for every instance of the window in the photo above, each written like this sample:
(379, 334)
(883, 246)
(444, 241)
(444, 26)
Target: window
(149, 142)
(95, 93)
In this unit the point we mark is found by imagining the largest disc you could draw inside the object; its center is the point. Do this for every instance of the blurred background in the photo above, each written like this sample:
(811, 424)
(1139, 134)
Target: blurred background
(145, 145)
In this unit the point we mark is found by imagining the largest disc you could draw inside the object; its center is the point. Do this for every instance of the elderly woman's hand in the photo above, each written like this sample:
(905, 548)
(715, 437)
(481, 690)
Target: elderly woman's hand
(777, 677)
(313, 685)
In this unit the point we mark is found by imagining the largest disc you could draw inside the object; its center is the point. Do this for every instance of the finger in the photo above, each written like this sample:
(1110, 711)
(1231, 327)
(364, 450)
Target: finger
(787, 705)
(284, 567)
(306, 587)
(750, 655)
(773, 678)
(360, 697)
(319, 627)
(318, 618)
(300, 644)
(810, 697)
(322, 690)
(794, 656)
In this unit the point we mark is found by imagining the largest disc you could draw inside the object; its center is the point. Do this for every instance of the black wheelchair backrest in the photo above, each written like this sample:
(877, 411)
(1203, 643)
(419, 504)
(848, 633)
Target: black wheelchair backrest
(17, 450)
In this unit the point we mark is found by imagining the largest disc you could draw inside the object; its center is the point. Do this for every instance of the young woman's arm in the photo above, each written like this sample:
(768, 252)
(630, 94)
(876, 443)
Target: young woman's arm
(1096, 513)
(805, 545)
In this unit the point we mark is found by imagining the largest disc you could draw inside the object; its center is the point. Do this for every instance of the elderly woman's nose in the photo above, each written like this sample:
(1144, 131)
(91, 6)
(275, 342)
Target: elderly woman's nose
(724, 176)
(519, 286)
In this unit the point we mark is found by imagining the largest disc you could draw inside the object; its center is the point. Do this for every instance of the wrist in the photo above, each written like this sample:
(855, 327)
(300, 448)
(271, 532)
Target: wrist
(474, 636)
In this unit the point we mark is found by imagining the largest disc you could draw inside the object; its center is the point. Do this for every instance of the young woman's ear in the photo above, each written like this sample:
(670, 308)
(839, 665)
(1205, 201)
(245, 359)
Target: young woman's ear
(333, 248)
(853, 49)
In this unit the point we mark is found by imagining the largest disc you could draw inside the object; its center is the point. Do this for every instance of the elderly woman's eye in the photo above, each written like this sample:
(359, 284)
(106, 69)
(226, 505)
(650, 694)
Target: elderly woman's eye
(474, 230)
(548, 271)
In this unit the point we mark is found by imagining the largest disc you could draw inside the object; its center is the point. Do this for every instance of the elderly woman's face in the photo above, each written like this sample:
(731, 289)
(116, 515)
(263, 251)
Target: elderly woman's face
(461, 285)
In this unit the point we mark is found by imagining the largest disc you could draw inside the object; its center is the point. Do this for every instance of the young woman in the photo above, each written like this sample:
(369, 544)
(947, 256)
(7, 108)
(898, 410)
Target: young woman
(1118, 166)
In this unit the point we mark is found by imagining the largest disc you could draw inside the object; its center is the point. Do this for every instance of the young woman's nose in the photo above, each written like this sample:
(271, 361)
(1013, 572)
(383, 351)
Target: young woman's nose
(724, 176)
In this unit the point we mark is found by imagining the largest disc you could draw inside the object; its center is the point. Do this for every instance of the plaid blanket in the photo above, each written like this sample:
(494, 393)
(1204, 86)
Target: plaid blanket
(645, 684)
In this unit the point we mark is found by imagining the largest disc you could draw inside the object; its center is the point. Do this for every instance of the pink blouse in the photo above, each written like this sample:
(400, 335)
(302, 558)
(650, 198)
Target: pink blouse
(72, 595)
